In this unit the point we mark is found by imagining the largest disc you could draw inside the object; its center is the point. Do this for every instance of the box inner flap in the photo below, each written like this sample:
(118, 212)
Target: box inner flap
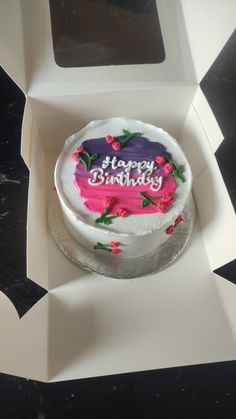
(11, 42)
(215, 210)
(209, 25)
(100, 326)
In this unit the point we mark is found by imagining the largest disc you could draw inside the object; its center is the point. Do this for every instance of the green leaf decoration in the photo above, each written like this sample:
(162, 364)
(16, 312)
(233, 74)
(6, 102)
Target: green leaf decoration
(106, 221)
(100, 246)
(112, 217)
(181, 169)
(178, 171)
(105, 212)
(178, 175)
(128, 135)
(181, 177)
(85, 163)
(103, 245)
(152, 204)
(126, 132)
(89, 158)
(98, 220)
(144, 203)
(147, 200)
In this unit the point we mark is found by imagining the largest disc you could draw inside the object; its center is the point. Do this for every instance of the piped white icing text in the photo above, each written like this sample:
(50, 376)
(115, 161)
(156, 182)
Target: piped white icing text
(145, 168)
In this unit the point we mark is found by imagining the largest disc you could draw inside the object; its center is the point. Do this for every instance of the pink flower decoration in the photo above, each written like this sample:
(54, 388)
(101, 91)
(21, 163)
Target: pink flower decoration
(179, 220)
(167, 198)
(160, 160)
(110, 139)
(80, 149)
(114, 244)
(54, 188)
(161, 207)
(108, 202)
(116, 145)
(75, 156)
(170, 229)
(122, 212)
(115, 251)
(168, 168)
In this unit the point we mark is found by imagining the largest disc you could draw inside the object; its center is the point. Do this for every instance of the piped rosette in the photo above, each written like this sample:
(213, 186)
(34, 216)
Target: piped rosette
(108, 203)
(172, 227)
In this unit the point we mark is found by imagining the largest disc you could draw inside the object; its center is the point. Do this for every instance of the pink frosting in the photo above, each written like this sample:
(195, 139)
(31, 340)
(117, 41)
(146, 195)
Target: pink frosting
(125, 196)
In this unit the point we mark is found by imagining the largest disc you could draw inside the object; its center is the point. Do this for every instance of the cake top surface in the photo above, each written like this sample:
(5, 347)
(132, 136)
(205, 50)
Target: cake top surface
(123, 175)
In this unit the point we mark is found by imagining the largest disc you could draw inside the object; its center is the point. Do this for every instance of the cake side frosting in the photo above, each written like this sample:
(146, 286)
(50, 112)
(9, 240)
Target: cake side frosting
(146, 178)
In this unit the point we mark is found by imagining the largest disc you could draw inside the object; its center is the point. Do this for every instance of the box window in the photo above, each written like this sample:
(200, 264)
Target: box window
(106, 32)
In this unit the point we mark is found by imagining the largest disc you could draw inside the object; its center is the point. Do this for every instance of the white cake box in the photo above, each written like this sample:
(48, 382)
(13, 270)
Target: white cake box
(88, 325)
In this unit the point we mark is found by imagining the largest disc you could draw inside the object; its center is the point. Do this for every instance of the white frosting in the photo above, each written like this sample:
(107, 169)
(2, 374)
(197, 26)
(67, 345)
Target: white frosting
(140, 234)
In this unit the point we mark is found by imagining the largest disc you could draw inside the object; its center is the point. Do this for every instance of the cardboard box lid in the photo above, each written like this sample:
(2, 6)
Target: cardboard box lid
(188, 28)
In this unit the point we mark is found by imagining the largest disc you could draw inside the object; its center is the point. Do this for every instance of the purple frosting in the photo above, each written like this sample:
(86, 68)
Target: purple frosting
(138, 149)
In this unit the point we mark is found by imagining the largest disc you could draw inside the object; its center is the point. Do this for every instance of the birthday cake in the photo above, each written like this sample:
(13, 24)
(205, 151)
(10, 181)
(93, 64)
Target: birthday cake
(122, 185)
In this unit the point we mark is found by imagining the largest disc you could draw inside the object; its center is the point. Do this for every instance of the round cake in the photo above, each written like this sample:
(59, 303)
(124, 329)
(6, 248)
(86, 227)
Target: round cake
(122, 185)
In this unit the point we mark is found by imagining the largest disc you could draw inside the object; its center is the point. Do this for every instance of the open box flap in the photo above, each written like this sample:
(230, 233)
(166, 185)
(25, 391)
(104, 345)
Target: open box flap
(209, 24)
(44, 76)
(187, 33)
(26, 133)
(208, 120)
(11, 42)
(227, 292)
(95, 326)
(215, 209)
(24, 342)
